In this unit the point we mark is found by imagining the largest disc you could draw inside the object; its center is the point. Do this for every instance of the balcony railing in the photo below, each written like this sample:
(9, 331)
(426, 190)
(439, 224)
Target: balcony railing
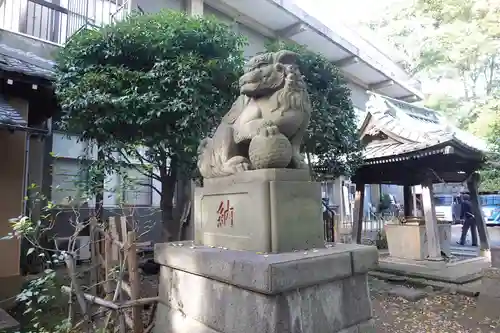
(57, 20)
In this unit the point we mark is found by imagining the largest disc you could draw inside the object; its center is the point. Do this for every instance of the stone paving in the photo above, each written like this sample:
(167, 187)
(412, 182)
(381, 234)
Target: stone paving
(400, 308)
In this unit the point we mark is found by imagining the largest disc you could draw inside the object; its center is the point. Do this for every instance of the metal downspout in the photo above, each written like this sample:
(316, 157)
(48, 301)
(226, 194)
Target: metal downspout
(26, 173)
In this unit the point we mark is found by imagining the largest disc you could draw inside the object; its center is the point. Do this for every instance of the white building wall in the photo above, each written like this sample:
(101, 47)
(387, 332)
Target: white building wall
(209, 11)
(153, 6)
(359, 97)
(256, 42)
(40, 21)
(69, 149)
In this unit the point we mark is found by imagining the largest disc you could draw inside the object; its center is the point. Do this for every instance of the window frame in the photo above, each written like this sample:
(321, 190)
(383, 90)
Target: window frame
(123, 192)
(81, 176)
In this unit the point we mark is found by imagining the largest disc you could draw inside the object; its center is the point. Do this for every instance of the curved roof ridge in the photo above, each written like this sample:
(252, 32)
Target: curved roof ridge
(391, 117)
(397, 124)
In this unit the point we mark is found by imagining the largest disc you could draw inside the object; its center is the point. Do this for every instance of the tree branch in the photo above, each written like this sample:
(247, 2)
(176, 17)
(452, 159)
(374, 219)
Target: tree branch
(140, 170)
(151, 186)
(489, 78)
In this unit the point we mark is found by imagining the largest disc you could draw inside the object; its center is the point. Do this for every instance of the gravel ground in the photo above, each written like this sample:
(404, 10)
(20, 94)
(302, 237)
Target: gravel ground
(438, 312)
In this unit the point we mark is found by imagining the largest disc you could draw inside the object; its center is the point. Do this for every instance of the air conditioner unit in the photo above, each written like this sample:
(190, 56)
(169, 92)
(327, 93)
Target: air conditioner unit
(82, 246)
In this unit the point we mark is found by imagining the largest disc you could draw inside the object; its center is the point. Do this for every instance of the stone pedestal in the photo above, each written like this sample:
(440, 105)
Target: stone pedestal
(259, 263)
(410, 241)
(211, 290)
(269, 210)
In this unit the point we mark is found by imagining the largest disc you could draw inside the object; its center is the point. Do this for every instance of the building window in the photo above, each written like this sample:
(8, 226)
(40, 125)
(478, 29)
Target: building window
(136, 188)
(66, 174)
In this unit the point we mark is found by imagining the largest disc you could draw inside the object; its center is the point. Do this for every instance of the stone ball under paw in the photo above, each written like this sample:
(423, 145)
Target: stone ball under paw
(270, 152)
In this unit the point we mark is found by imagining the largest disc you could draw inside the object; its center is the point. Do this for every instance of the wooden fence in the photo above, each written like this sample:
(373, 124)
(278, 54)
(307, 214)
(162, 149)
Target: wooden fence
(115, 278)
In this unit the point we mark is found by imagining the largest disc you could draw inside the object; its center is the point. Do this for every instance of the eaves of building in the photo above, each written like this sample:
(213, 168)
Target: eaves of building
(359, 61)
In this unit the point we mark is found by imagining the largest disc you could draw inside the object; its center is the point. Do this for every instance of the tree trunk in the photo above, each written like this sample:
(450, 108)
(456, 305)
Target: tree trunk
(183, 203)
(170, 224)
(99, 199)
(309, 164)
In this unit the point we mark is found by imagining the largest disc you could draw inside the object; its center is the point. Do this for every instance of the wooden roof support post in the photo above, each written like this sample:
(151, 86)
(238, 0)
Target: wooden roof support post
(484, 239)
(358, 212)
(431, 227)
(408, 200)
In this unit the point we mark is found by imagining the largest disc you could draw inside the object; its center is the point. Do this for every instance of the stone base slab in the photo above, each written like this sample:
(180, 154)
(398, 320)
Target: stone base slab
(270, 210)
(210, 290)
(458, 272)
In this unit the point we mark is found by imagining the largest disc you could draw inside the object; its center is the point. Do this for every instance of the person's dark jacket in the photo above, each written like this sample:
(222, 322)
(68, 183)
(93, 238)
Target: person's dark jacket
(466, 210)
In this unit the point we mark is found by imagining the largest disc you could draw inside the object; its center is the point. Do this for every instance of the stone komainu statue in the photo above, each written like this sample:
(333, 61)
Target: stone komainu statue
(266, 124)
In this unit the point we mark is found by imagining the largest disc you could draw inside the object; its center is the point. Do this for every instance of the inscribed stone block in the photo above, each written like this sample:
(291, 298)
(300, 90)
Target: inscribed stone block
(262, 211)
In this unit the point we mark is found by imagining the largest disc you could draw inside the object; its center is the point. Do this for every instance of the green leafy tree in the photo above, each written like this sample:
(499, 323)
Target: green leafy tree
(455, 43)
(332, 144)
(490, 175)
(146, 90)
(449, 41)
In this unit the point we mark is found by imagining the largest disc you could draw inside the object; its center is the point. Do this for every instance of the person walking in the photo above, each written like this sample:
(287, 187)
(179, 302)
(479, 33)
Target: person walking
(469, 219)
(456, 208)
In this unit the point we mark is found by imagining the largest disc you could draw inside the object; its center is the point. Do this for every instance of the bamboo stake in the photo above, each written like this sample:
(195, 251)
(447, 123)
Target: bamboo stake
(117, 292)
(123, 227)
(71, 314)
(108, 287)
(113, 232)
(139, 302)
(126, 288)
(70, 264)
(94, 256)
(134, 280)
(91, 299)
(151, 320)
(113, 236)
(128, 320)
(121, 316)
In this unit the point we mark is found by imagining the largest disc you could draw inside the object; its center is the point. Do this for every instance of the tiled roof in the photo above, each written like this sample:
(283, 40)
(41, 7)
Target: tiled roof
(9, 116)
(411, 129)
(18, 61)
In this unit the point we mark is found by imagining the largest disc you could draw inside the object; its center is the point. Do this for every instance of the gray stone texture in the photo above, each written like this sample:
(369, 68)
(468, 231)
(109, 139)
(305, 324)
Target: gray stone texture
(266, 124)
(268, 274)
(457, 272)
(207, 290)
(490, 283)
(495, 257)
(264, 174)
(275, 210)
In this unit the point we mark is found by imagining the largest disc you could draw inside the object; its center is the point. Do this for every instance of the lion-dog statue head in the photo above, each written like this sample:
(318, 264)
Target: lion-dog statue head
(275, 81)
